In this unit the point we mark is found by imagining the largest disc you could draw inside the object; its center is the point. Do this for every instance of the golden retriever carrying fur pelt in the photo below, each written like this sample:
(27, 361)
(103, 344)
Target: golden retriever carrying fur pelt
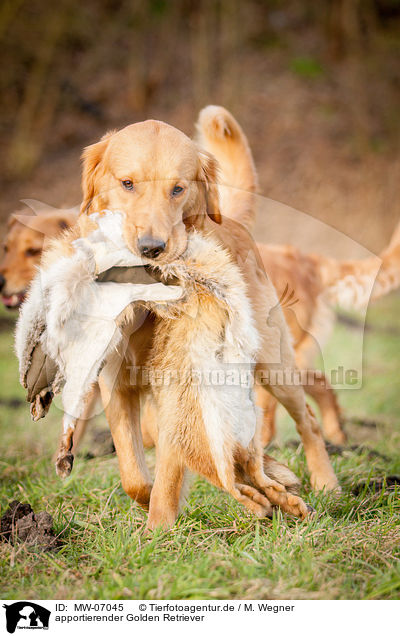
(165, 186)
(311, 276)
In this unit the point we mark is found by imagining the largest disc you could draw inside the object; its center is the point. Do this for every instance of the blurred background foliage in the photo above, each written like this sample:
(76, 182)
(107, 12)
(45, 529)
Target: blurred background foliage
(315, 85)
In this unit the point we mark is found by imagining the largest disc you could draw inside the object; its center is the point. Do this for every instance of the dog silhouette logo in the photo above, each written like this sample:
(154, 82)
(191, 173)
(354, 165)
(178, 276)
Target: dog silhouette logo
(26, 615)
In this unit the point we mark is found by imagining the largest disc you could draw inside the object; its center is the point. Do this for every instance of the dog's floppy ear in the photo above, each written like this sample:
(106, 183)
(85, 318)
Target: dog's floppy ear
(92, 159)
(208, 175)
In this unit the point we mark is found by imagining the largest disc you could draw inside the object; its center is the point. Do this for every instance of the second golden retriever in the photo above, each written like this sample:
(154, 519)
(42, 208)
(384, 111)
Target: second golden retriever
(23, 248)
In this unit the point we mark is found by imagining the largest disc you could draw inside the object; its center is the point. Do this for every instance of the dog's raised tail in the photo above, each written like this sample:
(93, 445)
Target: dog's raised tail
(218, 132)
(388, 278)
(352, 284)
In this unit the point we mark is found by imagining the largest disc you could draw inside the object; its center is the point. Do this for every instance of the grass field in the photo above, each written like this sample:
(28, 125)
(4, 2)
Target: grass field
(350, 549)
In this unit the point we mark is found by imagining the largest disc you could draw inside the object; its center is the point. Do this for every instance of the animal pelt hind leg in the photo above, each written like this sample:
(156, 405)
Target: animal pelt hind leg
(73, 431)
(88, 414)
(245, 492)
(182, 442)
(65, 458)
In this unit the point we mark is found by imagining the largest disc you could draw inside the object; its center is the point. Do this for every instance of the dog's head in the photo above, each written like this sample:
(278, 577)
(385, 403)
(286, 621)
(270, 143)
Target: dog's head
(159, 179)
(23, 246)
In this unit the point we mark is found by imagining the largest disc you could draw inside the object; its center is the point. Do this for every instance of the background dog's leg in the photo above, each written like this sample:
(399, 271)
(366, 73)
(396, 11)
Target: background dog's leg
(321, 471)
(82, 423)
(148, 422)
(166, 491)
(321, 391)
(268, 404)
(123, 417)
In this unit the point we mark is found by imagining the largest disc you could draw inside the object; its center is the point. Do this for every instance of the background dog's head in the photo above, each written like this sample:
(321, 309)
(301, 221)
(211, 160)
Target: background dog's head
(23, 248)
(159, 179)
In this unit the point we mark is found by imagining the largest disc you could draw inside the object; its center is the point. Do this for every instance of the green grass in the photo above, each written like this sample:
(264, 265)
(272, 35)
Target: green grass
(216, 550)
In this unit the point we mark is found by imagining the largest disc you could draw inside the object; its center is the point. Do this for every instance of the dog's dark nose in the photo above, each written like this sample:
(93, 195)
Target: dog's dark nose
(150, 247)
(2, 281)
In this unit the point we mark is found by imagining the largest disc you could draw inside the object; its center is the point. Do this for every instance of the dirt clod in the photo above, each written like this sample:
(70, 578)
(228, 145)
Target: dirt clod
(378, 484)
(20, 523)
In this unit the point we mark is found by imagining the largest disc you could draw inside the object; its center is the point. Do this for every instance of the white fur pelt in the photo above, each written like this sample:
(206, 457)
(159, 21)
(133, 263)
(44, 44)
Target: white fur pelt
(75, 317)
(76, 320)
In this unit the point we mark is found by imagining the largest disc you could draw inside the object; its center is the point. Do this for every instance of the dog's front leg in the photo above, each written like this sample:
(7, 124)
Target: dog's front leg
(166, 492)
(281, 379)
(123, 416)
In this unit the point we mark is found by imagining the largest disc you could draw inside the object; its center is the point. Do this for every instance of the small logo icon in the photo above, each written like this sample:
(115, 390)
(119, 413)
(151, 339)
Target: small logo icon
(26, 615)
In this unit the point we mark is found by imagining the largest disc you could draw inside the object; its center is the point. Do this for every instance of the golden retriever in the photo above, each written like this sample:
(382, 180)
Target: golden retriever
(166, 186)
(23, 246)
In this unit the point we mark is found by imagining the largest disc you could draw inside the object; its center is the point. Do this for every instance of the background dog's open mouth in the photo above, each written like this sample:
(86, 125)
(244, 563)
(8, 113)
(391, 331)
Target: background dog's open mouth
(13, 301)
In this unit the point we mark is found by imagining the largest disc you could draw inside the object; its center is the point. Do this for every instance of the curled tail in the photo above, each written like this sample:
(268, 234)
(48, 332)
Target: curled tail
(389, 275)
(352, 284)
(218, 132)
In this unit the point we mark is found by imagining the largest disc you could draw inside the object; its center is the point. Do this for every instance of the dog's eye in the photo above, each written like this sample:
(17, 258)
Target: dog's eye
(31, 251)
(177, 190)
(5, 248)
(127, 184)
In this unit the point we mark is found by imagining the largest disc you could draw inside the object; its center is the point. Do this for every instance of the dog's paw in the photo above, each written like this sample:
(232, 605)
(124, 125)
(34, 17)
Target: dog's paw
(326, 483)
